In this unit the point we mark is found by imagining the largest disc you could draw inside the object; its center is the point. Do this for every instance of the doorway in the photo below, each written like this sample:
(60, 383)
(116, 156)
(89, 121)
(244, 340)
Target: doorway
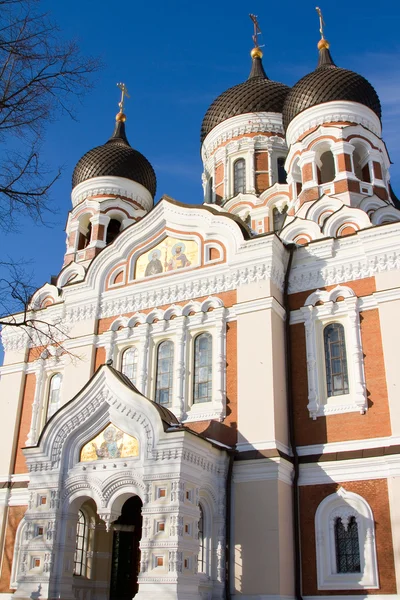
(126, 552)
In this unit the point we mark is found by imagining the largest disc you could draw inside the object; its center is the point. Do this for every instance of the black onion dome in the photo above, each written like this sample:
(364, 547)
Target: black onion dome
(257, 94)
(326, 84)
(118, 159)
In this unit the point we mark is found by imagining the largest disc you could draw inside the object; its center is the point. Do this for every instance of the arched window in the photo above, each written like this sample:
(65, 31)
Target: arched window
(337, 381)
(239, 176)
(165, 366)
(202, 549)
(362, 173)
(279, 217)
(84, 238)
(81, 545)
(202, 391)
(327, 167)
(282, 175)
(113, 229)
(345, 543)
(129, 363)
(53, 401)
(347, 546)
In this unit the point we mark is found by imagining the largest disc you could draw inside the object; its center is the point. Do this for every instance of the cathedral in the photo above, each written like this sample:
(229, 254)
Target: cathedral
(207, 408)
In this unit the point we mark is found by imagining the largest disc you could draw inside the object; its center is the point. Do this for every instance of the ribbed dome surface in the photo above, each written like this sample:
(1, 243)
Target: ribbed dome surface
(326, 84)
(116, 158)
(257, 94)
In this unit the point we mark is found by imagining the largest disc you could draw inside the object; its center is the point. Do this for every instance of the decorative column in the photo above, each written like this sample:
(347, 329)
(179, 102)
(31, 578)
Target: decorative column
(144, 332)
(360, 395)
(99, 230)
(180, 366)
(169, 545)
(220, 361)
(312, 371)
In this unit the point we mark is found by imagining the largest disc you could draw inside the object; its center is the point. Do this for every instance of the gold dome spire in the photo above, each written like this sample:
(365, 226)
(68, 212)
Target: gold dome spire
(256, 52)
(121, 116)
(323, 43)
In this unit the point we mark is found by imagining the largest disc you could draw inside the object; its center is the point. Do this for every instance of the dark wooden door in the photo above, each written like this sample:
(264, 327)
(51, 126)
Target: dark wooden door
(126, 552)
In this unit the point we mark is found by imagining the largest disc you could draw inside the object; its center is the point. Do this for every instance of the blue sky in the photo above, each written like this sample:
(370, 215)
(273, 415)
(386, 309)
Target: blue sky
(175, 58)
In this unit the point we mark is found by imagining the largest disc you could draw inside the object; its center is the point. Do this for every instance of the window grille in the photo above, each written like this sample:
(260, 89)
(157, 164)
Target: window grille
(201, 560)
(202, 368)
(165, 365)
(337, 380)
(80, 548)
(347, 546)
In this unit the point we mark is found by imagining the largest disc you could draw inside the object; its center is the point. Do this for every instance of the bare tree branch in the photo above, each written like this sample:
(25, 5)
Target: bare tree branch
(41, 78)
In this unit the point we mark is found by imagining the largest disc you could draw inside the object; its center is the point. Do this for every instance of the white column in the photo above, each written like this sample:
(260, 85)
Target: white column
(360, 396)
(144, 333)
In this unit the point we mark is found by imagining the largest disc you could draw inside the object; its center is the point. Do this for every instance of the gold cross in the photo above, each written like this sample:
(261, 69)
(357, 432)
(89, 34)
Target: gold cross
(257, 29)
(124, 94)
(321, 22)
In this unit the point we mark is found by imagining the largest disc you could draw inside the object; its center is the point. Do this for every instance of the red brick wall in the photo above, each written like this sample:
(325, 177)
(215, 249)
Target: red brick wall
(25, 422)
(228, 298)
(15, 515)
(362, 287)
(375, 492)
(346, 426)
(225, 432)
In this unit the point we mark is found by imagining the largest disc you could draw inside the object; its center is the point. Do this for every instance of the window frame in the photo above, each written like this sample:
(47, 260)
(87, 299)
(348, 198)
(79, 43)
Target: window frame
(209, 381)
(322, 308)
(242, 160)
(52, 376)
(124, 351)
(343, 504)
(171, 374)
(83, 550)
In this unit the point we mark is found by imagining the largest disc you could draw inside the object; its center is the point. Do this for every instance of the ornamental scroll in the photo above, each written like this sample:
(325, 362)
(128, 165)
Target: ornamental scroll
(110, 443)
(172, 254)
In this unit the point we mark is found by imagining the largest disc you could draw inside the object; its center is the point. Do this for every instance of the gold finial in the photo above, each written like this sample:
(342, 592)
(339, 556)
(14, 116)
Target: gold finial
(323, 43)
(124, 94)
(256, 52)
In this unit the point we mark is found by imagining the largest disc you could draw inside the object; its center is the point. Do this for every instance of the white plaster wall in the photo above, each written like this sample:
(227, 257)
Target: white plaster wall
(279, 379)
(255, 291)
(11, 390)
(255, 378)
(256, 539)
(387, 280)
(389, 316)
(286, 539)
(77, 371)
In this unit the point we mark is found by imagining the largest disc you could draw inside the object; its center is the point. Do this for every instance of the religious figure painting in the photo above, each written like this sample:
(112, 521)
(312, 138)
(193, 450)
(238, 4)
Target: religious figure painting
(110, 443)
(169, 255)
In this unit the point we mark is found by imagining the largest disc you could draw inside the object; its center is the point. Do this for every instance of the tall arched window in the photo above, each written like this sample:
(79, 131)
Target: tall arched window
(337, 380)
(129, 363)
(202, 549)
(347, 546)
(81, 545)
(113, 229)
(282, 175)
(202, 391)
(165, 366)
(239, 176)
(53, 401)
(279, 217)
(327, 167)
